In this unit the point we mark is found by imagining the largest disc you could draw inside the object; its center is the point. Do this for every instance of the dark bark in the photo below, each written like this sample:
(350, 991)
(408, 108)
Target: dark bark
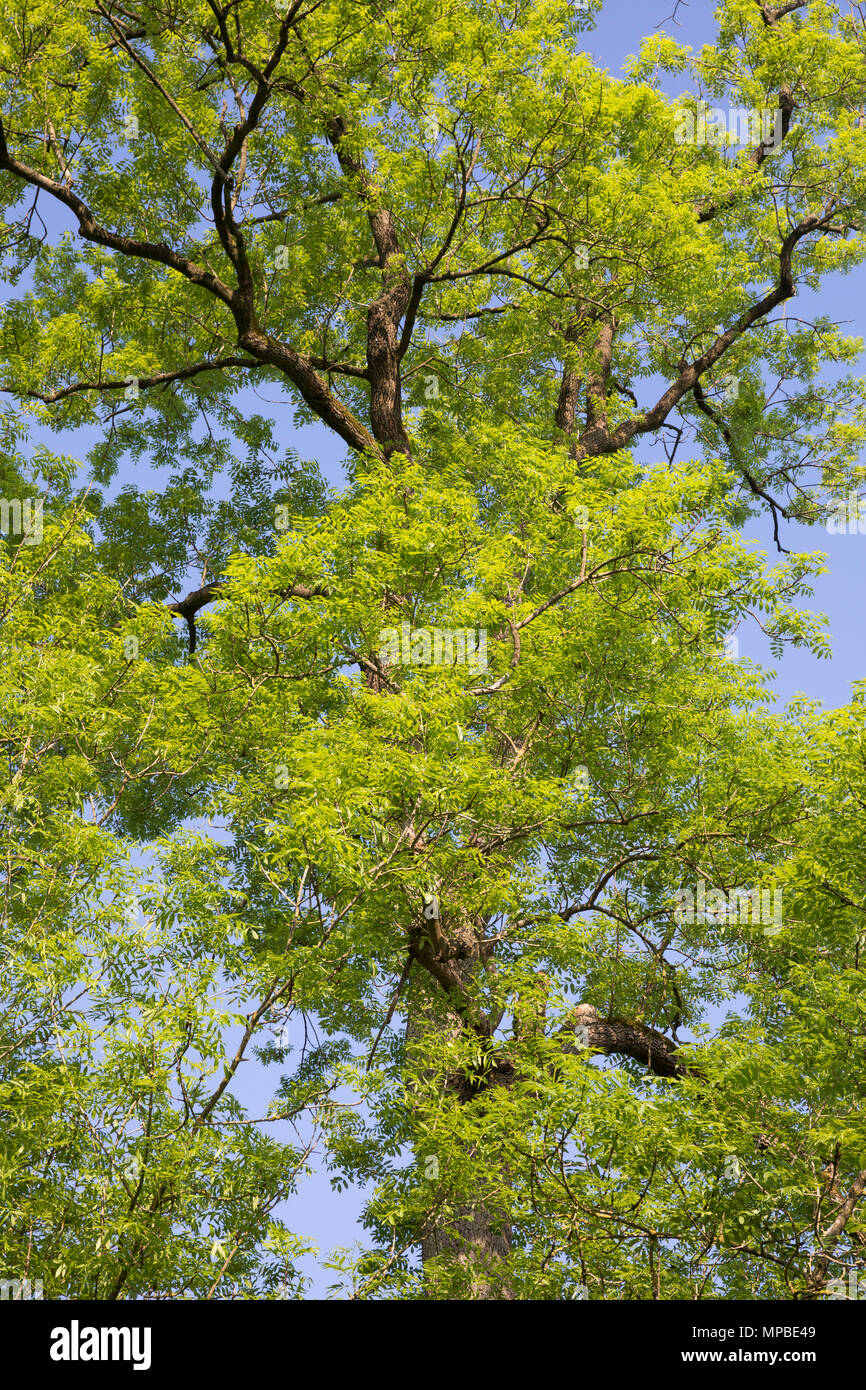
(188, 607)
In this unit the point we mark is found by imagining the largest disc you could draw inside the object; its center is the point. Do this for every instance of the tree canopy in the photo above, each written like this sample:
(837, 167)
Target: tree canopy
(439, 793)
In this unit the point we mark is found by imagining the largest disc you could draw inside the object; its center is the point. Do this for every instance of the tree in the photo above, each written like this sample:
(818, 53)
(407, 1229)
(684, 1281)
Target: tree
(478, 759)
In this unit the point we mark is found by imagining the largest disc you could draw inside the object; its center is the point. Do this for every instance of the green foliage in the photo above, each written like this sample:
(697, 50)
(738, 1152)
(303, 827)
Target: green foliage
(236, 852)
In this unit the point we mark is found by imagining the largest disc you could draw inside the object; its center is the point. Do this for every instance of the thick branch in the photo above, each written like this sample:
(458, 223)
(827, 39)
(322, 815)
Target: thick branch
(386, 311)
(635, 1040)
(298, 368)
(771, 14)
(301, 372)
(598, 378)
(188, 607)
(596, 439)
(757, 157)
(565, 417)
(831, 1237)
(91, 230)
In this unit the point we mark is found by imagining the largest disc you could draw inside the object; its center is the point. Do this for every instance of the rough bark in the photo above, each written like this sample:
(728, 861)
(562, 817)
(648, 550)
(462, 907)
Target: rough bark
(618, 1037)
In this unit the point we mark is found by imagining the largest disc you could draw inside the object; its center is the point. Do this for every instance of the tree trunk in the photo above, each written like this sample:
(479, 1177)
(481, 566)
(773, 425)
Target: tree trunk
(476, 1236)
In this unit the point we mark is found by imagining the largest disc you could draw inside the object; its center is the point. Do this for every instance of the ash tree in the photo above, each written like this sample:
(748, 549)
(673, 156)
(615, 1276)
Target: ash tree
(444, 794)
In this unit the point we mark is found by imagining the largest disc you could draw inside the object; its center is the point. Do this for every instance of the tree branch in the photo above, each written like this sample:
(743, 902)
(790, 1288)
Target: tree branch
(711, 414)
(758, 155)
(91, 230)
(598, 440)
(771, 14)
(818, 1276)
(144, 382)
(636, 1040)
(166, 96)
(189, 606)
